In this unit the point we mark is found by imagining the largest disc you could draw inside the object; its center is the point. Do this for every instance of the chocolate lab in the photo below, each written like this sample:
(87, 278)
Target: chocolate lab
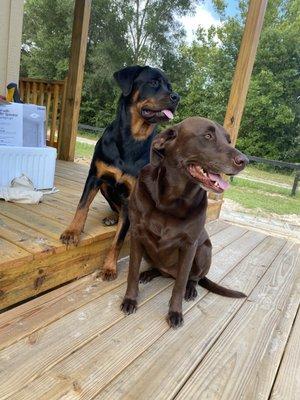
(124, 149)
(167, 210)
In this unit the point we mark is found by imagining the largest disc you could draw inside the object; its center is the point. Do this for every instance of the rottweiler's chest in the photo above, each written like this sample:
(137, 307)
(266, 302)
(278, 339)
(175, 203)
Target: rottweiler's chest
(114, 176)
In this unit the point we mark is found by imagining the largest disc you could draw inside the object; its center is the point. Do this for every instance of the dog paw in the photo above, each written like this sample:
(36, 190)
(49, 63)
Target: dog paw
(190, 292)
(146, 277)
(110, 221)
(70, 236)
(175, 319)
(108, 274)
(129, 306)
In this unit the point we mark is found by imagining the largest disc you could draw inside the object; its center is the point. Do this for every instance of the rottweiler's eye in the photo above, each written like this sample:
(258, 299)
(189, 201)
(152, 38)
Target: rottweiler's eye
(154, 83)
(208, 136)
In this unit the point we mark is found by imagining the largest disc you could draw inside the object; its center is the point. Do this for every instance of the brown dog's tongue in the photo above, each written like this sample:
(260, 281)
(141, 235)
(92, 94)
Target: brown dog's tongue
(168, 114)
(217, 178)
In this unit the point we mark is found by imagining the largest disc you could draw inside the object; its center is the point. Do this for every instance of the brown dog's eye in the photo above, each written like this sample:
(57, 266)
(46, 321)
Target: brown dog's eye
(208, 136)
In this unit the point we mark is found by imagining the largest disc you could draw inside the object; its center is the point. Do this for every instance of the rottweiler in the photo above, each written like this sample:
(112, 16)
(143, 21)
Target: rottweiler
(147, 99)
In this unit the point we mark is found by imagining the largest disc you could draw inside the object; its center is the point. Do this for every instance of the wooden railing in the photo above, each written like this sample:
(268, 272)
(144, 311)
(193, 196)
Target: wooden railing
(50, 94)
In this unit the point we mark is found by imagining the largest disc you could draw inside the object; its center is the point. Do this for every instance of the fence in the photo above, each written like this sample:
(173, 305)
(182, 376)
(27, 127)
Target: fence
(50, 94)
(275, 163)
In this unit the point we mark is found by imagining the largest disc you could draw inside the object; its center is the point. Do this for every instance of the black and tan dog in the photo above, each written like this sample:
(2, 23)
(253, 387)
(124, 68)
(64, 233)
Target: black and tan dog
(124, 149)
(167, 210)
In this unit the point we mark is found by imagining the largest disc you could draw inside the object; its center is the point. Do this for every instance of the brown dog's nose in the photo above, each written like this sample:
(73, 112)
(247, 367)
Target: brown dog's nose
(240, 161)
(174, 97)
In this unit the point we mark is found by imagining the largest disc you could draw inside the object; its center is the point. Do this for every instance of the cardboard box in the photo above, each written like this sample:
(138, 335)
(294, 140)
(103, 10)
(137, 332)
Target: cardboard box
(22, 125)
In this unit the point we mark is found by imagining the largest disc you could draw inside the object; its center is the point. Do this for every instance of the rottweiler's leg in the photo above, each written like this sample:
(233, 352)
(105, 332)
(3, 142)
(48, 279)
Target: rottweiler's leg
(129, 304)
(72, 233)
(109, 269)
(108, 192)
(147, 276)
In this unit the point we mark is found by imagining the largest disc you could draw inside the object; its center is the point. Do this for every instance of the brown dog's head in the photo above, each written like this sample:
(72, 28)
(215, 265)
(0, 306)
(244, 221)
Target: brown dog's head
(201, 150)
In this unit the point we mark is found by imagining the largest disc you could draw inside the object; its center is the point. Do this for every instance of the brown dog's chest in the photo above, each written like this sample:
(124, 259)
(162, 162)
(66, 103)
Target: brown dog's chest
(163, 235)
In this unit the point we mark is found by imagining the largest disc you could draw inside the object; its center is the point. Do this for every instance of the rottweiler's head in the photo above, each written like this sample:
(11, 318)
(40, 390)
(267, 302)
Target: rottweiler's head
(148, 92)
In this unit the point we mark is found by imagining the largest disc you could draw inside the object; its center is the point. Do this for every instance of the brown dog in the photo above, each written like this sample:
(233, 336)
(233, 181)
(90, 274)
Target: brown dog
(168, 206)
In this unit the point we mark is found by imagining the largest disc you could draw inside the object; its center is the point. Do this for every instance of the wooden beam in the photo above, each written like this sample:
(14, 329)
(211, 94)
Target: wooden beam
(67, 139)
(244, 66)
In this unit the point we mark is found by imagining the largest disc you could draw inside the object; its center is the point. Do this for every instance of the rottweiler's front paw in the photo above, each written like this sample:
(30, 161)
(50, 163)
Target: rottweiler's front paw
(129, 306)
(108, 274)
(70, 236)
(175, 319)
(110, 221)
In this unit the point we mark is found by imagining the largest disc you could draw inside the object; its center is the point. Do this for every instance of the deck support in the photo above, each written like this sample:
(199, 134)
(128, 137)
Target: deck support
(67, 140)
(11, 22)
(244, 66)
(242, 74)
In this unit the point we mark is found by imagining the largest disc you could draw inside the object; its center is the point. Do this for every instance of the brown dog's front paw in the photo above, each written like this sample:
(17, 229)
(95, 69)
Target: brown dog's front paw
(108, 274)
(70, 236)
(175, 319)
(190, 291)
(129, 306)
(110, 221)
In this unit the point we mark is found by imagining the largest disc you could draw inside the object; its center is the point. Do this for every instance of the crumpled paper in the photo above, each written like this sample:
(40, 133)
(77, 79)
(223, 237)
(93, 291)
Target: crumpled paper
(21, 190)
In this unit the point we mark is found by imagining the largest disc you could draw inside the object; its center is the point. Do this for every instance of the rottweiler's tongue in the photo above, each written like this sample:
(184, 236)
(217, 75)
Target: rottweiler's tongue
(217, 178)
(168, 114)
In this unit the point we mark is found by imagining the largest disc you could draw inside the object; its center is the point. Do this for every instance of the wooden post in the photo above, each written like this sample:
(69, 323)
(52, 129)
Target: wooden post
(242, 73)
(11, 21)
(67, 137)
(244, 66)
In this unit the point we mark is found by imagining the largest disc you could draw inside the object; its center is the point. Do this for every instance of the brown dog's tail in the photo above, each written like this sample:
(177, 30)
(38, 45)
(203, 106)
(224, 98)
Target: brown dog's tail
(215, 288)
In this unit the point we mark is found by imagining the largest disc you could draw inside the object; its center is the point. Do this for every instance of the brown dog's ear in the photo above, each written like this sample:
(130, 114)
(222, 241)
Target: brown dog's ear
(126, 76)
(159, 143)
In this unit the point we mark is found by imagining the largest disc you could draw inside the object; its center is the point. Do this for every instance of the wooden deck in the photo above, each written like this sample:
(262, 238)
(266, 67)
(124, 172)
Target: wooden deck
(32, 258)
(75, 343)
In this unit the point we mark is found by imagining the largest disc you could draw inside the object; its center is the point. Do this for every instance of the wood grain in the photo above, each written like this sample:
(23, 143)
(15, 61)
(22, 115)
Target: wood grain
(234, 361)
(150, 325)
(287, 384)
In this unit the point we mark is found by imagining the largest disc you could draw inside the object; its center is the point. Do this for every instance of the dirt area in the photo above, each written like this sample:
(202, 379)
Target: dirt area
(282, 225)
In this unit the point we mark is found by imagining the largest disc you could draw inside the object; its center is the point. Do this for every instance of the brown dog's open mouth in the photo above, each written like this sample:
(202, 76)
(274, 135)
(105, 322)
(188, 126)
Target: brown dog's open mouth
(208, 180)
(165, 114)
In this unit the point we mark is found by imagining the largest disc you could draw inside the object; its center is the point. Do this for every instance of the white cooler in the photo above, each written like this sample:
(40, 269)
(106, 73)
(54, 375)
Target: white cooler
(38, 163)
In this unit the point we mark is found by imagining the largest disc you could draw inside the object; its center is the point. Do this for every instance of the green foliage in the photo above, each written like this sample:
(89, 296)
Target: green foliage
(123, 33)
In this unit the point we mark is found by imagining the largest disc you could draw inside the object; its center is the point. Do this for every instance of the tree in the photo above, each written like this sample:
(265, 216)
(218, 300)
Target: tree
(270, 124)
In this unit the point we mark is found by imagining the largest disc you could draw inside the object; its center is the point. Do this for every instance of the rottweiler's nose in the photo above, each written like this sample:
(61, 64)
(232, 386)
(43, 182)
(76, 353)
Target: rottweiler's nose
(240, 161)
(174, 97)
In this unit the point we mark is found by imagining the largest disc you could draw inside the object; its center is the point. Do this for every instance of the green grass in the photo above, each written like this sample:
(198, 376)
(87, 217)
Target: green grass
(88, 135)
(253, 171)
(84, 150)
(266, 197)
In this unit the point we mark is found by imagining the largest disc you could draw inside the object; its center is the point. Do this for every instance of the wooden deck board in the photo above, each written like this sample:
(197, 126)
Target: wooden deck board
(29, 317)
(74, 342)
(235, 359)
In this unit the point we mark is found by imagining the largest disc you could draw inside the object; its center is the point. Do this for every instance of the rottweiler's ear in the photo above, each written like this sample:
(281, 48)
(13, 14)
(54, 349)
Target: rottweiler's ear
(126, 76)
(159, 144)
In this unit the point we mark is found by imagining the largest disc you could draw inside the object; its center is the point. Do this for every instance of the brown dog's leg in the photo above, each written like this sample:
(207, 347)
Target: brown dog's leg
(72, 233)
(129, 304)
(186, 257)
(190, 291)
(109, 269)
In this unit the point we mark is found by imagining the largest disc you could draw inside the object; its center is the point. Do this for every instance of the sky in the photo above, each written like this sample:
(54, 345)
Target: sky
(206, 16)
